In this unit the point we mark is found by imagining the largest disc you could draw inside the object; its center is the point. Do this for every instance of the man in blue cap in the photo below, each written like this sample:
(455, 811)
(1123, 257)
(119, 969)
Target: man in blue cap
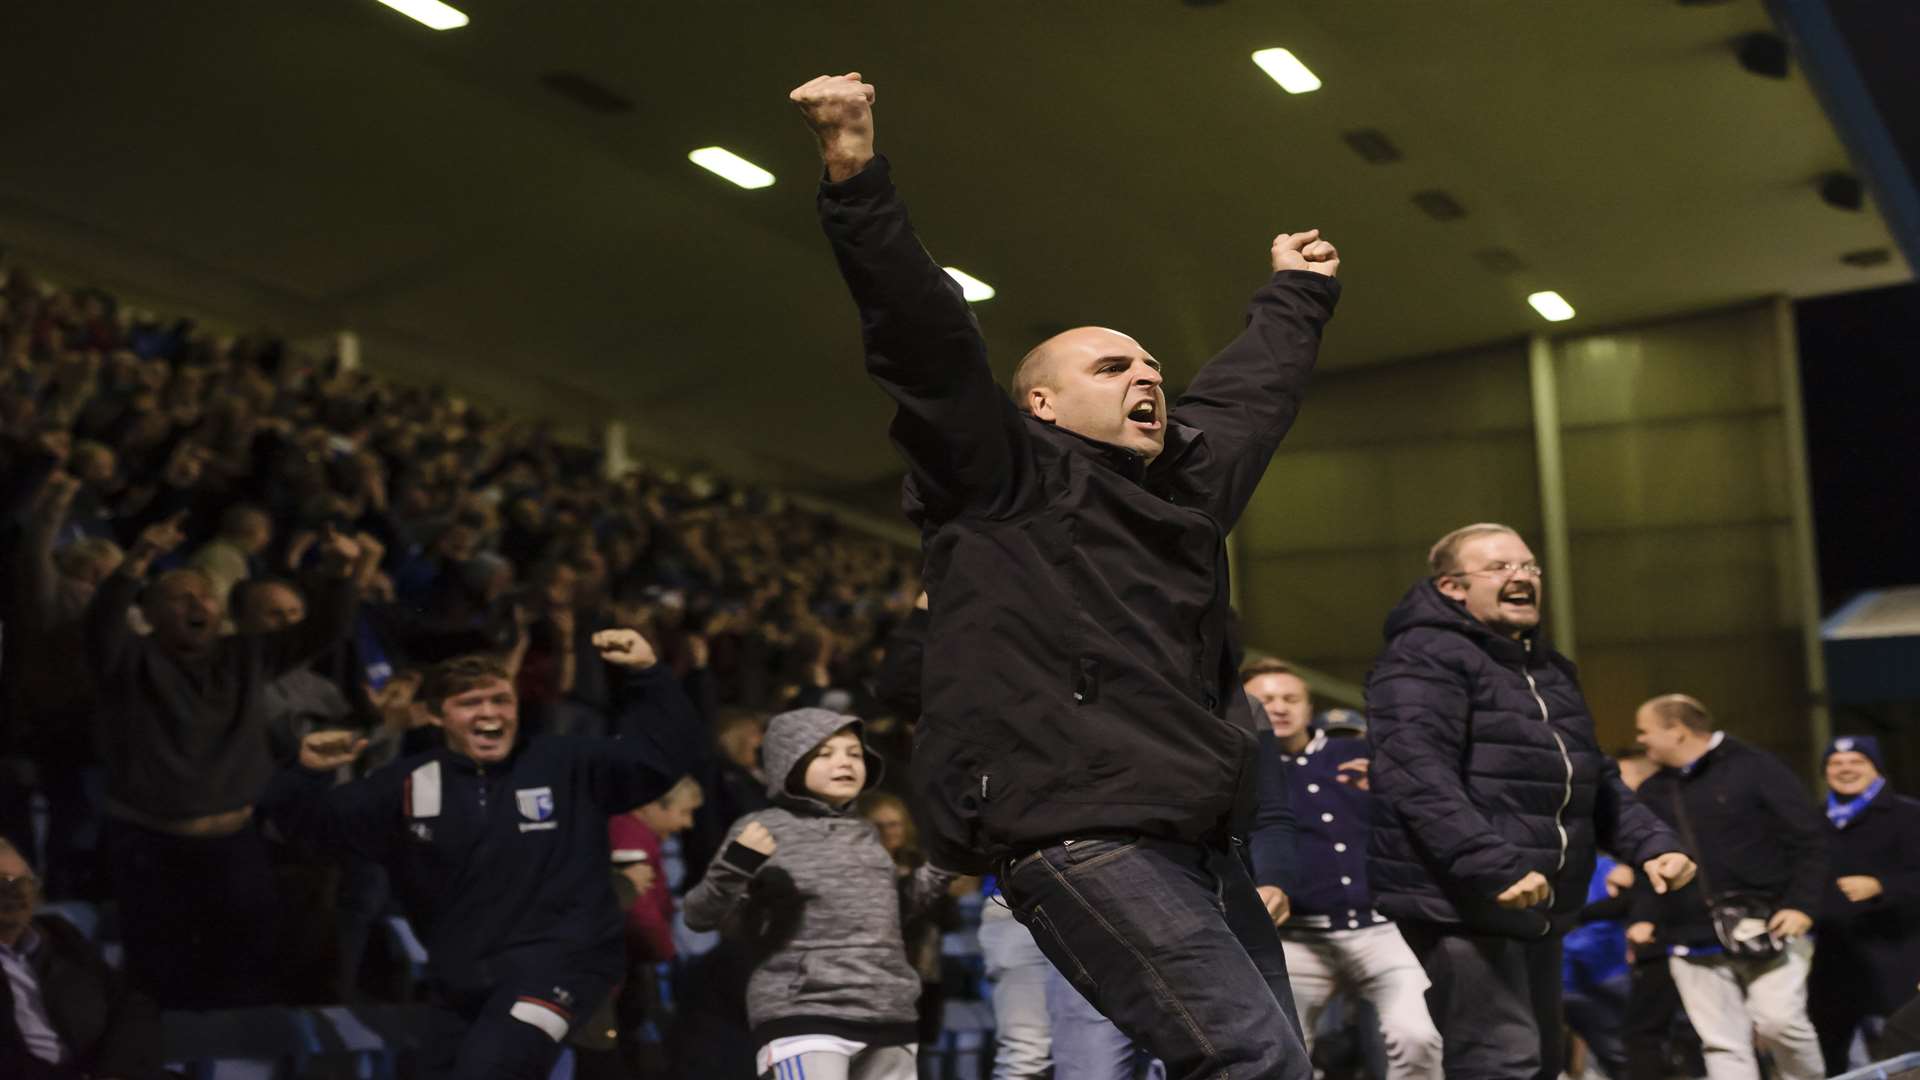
(1868, 924)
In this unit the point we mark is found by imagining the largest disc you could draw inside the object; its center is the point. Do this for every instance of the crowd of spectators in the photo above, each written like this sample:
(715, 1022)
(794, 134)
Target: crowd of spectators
(216, 545)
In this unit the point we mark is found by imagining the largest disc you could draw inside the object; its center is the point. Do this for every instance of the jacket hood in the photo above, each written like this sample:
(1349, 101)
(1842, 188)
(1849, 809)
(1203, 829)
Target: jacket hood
(791, 739)
(1425, 605)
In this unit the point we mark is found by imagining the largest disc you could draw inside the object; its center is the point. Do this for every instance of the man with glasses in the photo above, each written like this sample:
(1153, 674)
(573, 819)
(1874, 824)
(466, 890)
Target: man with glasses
(1491, 797)
(63, 1012)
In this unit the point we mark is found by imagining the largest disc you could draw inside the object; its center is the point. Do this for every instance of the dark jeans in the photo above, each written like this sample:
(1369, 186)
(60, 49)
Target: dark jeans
(1658, 1035)
(198, 916)
(1496, 1001)
(1171, 943)
(1598, 1014)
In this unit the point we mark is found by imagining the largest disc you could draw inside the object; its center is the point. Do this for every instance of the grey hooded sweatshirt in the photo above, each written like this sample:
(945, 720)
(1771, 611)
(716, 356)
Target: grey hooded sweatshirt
(822, 913)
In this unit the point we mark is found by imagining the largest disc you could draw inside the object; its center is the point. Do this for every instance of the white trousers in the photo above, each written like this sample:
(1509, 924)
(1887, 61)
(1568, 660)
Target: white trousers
(1732, 1002)
(1375, 963)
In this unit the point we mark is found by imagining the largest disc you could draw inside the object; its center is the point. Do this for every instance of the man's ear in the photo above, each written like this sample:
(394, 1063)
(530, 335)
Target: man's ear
(1450, 587)
(1040, 403)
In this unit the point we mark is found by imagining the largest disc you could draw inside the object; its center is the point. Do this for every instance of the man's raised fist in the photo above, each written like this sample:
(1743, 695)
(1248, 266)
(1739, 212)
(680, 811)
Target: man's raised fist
(624, 648)
(1305, 251)
(839, 109)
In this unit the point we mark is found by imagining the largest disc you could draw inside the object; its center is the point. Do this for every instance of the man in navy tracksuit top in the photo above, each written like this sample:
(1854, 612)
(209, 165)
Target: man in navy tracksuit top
(1491, 797)
(498, 848)
(1333, 937)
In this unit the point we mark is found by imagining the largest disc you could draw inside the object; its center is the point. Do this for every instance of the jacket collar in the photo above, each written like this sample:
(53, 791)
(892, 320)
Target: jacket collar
(1181, 440)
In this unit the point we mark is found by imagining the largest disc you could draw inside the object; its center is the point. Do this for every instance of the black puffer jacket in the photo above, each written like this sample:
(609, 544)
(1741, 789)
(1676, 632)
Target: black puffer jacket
(1473, 789)
(1078, 677)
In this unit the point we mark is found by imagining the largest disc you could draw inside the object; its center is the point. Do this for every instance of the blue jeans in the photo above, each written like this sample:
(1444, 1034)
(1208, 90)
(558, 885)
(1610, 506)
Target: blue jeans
(1086, 1045)
(1019, 971)
(1170, 942)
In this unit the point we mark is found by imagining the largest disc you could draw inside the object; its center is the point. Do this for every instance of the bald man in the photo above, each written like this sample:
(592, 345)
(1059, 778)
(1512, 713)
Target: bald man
(1084, 735)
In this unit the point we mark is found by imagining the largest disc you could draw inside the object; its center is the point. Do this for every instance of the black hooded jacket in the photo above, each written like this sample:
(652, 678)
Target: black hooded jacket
(1485, 768)
(1077, 676)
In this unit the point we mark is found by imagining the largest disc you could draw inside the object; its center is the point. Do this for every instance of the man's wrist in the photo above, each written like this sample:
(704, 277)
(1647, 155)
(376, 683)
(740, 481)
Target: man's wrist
(845, 156)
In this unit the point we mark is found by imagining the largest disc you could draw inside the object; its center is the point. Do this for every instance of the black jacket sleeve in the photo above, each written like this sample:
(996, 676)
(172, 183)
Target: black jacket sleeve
(1625, 828)
(897, 683)
(964, 441)
(662, 738)
(1246, 397)
(1275, 861)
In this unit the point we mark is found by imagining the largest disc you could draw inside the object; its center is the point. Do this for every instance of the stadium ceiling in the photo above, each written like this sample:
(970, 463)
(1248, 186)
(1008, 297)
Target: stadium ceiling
(510, 206)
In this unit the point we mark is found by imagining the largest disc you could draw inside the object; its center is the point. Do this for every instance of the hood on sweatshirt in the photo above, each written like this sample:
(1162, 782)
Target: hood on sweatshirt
(792, 738)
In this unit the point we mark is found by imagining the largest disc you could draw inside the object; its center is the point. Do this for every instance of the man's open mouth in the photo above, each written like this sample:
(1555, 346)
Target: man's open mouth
(1518, 597)
(1146, 413)
(489, 732)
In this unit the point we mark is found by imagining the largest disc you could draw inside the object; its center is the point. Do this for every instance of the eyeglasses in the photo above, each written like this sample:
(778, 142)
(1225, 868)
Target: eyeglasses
(1505, 569)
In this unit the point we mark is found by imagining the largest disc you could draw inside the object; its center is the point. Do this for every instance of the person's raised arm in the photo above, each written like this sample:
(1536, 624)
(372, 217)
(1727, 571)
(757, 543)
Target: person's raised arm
(662, 737)
(346, 564)
(1247, 396)
(963, 439)
(110, 640)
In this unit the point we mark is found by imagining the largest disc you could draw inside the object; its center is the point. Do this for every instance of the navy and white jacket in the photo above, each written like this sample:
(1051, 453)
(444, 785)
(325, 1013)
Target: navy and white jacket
(1326, 882)
(503, 869)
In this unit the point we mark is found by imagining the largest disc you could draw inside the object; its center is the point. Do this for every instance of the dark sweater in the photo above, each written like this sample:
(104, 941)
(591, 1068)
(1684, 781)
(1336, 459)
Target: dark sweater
(185, 738)
(1758, 833)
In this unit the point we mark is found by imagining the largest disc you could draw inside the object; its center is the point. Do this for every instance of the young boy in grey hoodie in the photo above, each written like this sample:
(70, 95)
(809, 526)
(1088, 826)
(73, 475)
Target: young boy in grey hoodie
(808, 882)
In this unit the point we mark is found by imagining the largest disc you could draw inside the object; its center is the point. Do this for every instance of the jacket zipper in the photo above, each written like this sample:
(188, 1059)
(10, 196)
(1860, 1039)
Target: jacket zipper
(1566, 793)
(481, 769)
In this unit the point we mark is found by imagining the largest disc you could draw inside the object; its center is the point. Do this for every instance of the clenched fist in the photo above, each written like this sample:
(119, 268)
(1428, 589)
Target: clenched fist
(755, 837)
(1529, 891)
(625, 648)
(1305, 251)
(839, 109)
(325, 751)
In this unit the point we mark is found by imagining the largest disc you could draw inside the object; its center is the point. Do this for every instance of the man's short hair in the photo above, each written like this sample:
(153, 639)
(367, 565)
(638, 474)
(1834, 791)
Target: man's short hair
(1029, 373)
(1682, 709)
(683, 789)
(82, 554)
(450, 678)
(1444, 556)
(244, 589)
(151, 590)
(1267, 665)
(236, 518)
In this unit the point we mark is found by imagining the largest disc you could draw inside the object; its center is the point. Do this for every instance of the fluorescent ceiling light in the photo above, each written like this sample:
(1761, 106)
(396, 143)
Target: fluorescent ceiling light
(430, 13)
(731, 166)
(1287, 70)
(1550, 306)
(972, 288)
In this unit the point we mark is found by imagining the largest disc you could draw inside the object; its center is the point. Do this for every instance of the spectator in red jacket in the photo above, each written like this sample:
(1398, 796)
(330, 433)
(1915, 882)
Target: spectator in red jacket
(635, 837)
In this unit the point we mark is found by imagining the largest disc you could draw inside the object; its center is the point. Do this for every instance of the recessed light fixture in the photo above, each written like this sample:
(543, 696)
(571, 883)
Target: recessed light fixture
(731, 166)
(430, 13)
(1551, 306)
(1287, 70)
(971, 287)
